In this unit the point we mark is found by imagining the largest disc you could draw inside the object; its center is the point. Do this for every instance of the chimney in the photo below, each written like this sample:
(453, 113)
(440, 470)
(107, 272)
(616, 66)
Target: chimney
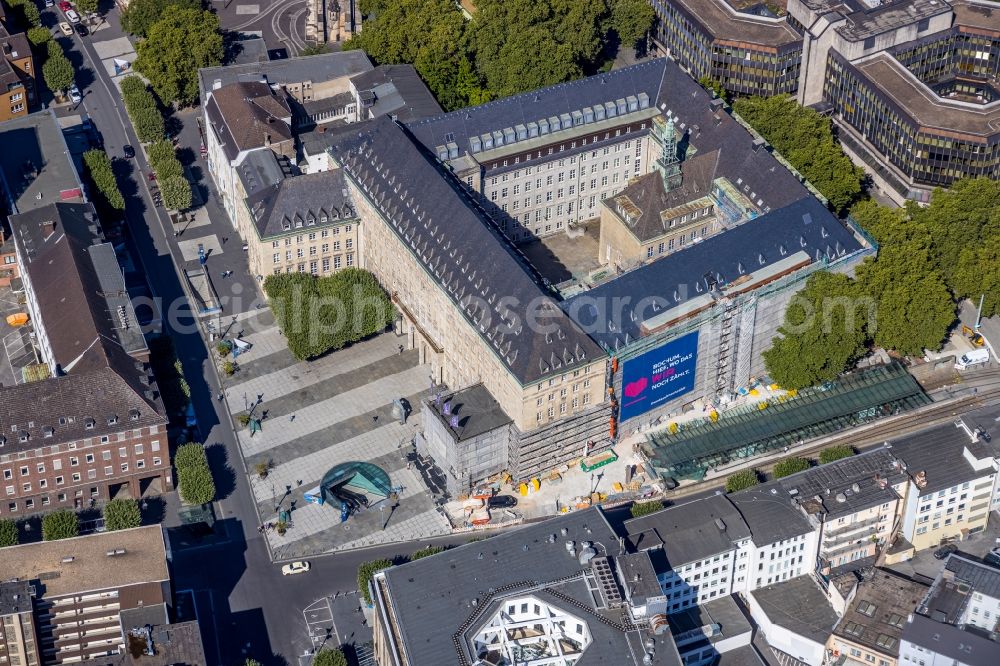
(48, 228)
(920, 479)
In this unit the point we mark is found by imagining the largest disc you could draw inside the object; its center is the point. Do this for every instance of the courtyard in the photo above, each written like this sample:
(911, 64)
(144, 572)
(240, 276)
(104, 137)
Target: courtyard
(318, 414)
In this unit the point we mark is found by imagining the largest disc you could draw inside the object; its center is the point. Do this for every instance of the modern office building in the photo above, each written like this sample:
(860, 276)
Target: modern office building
(751, 48)
(796, 618)
(18, 638)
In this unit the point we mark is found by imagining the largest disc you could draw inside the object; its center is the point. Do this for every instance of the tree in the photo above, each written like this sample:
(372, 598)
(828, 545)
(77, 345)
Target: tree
(365, 573)
(169, 375)
(330, 657)
(252, 662)
(914, 308)
(177, 46)
(163, 158)
(39, 35)
(176, 192)
(319, 314)
(824, 332)
(142, 14)
(193, 474)
(8, 533)
(976, 274)
(99, 169)
(122, 513)
(836, 452)
(645, 508)
(148, 123)
(57, 71)
(806, 140)
(31, 13)
(714, 87)
(631, 19)
(62, 524)
(86, 6)
(741, 480)
(426, 552)
(790, 466)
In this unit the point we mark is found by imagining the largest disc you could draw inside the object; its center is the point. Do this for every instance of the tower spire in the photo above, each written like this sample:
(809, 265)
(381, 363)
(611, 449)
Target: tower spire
(668, 165)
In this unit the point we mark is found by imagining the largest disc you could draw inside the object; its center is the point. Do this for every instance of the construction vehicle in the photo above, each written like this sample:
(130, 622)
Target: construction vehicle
(975, 338)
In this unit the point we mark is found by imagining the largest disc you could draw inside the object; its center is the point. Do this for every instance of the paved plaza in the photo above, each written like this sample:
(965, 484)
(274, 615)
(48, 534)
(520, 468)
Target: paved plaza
(322, 413)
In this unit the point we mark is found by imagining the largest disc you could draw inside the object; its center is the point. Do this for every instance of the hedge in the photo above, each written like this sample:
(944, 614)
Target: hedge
(62, 524)
(142, 109)
(741, 480)
(121, 513)
(193, 474)
(8, 533)
(365, 573)
(99, 169)
(836, 452)
(790, 466)
(645, 508)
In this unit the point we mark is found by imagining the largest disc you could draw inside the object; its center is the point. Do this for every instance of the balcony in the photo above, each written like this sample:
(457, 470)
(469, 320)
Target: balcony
(830, 534)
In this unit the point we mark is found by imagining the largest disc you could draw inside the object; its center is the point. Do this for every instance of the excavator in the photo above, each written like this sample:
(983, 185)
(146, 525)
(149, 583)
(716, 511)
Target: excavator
(975, 338)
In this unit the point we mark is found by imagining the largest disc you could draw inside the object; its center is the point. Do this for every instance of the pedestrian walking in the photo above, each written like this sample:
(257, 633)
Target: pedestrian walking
(400, 349)
(224, 239)
(375, 418)
(291, 418)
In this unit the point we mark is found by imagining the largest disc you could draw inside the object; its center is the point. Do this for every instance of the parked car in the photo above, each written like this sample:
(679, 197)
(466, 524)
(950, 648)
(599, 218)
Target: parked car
(295, 568)
(944, 551)
(74, 94)
(502, 502)
(128, 152)
(81, 30)
(72, 16)
(49, 3)
(993, 557)
(65, 28)
(65, 6)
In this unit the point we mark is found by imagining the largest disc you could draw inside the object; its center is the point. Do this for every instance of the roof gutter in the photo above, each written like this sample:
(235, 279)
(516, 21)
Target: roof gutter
(375, 591)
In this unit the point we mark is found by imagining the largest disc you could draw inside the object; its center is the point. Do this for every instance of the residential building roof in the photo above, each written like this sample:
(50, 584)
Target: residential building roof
(723, 611)
(462, 249)
(748, 255)
(308, 201)
(15, 597)
(83, 564)
(745, 655)
(13, 47)
(647, 200)
(847, 485)
(248, 115)
(770, 513)
(34, 167)
(693, 530)
(982, 578)
(474, 410)
(800, 606)
(176, 644)
(323, 67)
(261, 169)
(955, 584)
(397, 90)
(876, 616)
(724, 22)
(439, 603)
(964, 647)
(939, 453)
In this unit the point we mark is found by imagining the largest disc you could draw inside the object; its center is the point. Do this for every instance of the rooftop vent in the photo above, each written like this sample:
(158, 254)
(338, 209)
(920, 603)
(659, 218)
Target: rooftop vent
(720, 524)
(116, 552)
(67, 559)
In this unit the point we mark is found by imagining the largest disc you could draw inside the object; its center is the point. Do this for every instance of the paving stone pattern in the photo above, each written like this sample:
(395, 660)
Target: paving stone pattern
(321, 413)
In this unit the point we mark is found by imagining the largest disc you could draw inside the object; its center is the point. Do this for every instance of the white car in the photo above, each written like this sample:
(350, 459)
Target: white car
(295, 568)
(72, 16)
(49, 3)
(65, 28)
(74, 94)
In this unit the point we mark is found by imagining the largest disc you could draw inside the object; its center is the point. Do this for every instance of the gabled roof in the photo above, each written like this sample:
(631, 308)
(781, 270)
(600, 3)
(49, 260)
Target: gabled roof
(302, 202)
(770, 513)
(396, 90)
(247, 115)
(462, 249)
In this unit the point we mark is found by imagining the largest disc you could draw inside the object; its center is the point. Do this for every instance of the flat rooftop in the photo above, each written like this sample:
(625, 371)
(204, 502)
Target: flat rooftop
(976, 15)
(474, 411)
(923, 105)
(35, 164)
(91, 568)
(725, 23)
(876, 616)
(864, 21)
(800, 606)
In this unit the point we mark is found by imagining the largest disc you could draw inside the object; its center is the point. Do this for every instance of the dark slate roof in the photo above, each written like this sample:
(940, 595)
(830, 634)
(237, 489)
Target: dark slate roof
(833, 483)
(690, 532)
(35, 169)
(729, 257)
(649, 196)
(462, 249)
(723, 611)
(19, 48)
(396, 90)
(293, 202)
(259, 170)
(948, 640)
(177, 643)
(800, 606)
(883, 595)
(939, 453)
(246, 115)
(439, 601)
(770, 513)
(982, 578)
(475, 409)
(15, 597)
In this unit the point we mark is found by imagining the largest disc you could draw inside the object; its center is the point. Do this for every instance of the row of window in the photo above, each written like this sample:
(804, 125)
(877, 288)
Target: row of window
(325, 249)
(314, 266)
(76, 476)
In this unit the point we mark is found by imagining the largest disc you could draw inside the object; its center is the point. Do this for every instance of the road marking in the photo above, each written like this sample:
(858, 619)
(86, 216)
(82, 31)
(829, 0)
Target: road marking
(251, 10)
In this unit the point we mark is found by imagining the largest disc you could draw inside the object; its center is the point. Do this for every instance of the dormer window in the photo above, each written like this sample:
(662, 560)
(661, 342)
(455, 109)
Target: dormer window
(112, 420)
(48, 431)
(24, 436)
(89, 424)
(3, 440)
(133, 414)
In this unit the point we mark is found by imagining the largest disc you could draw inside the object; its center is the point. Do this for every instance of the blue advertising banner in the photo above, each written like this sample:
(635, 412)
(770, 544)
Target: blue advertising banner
(658, 376)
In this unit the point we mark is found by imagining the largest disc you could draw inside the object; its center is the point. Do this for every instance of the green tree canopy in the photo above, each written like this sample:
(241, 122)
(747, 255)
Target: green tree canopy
(176, 192)
(142, 14)
(836, 452)
(330, 657)
(645, 508)
(978, 274)
(805, 139)
(426, 552)
(61, 524)
(86, 6)
(631, 19)
(99, 169)
(177, 46)
(39, 35)
(790, 466)
(741, 480)
(122, 513)
(193, 474)
(57, 71)
(8, 533)
(365, 573)
(822, 335)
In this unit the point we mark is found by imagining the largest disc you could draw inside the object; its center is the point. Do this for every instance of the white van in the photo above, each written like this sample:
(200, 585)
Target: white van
(974, 357)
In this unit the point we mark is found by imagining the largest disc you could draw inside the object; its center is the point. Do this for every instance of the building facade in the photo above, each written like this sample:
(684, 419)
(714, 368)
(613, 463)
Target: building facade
(18, 637)
(17, 76)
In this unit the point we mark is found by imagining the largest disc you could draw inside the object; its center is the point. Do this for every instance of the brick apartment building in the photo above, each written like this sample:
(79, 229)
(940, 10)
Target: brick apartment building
(17, 75)
(96, 426)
